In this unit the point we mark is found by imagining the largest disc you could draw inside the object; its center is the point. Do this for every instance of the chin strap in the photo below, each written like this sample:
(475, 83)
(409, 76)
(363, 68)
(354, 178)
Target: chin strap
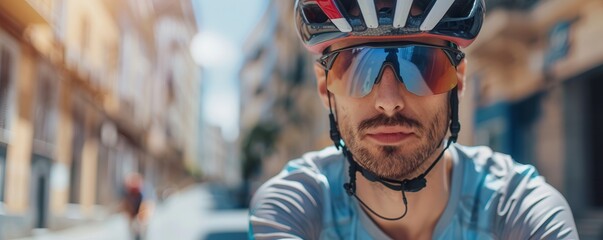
(406, 185)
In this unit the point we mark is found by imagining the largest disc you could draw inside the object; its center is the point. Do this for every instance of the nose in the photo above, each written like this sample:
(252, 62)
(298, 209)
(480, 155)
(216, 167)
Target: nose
(388, 93)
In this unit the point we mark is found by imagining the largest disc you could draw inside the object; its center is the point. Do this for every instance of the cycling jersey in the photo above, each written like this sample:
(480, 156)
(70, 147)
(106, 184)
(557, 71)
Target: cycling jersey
(492, 197)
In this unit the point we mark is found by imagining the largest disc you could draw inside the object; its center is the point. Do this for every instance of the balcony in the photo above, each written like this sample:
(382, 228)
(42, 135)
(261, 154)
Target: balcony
(28, 12)
(511, 4)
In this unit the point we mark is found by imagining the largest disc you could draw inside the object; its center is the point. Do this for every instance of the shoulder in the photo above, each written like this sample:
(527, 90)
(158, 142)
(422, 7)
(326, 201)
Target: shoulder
(314, 163)
(484, 159)
(520, 201)
(487, 168)
(291, 203)
(312, 169)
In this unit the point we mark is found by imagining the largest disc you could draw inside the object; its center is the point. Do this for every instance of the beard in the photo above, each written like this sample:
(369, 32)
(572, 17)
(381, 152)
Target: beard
(397, 162)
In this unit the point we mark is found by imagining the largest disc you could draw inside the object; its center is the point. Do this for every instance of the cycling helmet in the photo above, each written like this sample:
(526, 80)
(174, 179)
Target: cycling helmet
(322, 23)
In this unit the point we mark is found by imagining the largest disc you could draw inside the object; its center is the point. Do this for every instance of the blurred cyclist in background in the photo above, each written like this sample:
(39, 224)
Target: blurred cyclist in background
(135, 205)
(390, 73)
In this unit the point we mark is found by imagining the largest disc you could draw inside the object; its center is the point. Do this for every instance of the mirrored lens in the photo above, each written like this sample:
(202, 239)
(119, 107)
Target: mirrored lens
(424, 70)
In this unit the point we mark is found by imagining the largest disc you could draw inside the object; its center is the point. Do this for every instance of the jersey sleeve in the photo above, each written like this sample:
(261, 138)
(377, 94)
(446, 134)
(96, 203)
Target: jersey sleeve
(544, 215)
(289, 206)
(535, 210)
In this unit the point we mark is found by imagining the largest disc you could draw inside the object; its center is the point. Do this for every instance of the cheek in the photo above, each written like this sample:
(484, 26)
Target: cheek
(432, 105)
(441, 113)
(348, 117)
(350, 111)
(344, 118)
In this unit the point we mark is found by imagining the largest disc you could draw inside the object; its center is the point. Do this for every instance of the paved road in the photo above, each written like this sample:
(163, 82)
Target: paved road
(183, 216)
(188, 215)
(115, 228)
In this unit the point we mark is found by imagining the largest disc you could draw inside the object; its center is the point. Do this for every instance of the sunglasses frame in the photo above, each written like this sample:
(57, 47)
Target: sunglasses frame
(455, 55)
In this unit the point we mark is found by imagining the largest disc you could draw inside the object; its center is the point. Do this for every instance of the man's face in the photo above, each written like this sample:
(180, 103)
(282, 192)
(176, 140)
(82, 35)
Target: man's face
(391, 131)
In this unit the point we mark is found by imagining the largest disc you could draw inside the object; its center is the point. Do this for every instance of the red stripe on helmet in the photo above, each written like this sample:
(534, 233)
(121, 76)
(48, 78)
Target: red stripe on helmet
(329, 8)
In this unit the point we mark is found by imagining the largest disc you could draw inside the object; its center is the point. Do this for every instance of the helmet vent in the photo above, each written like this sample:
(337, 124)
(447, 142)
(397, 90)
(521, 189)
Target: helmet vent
(460, 9)
(313, 14)
(418, 7)
(385, 8)
(385, 11)
(351, 8)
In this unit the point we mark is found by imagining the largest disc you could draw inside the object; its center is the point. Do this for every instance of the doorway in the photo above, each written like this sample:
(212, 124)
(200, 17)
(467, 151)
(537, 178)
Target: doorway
(40, 174)
(2, 169)
(595, 109)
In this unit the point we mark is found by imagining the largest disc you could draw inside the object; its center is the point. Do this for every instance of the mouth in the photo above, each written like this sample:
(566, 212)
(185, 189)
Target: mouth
(389, 135)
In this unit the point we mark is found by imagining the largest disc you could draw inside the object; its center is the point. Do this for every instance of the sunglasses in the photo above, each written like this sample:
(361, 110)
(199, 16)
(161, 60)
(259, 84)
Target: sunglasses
(423, 69)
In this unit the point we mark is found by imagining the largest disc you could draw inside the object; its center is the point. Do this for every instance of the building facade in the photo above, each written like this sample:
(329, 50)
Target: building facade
(91, 91)
(281, 114)
(532, 93)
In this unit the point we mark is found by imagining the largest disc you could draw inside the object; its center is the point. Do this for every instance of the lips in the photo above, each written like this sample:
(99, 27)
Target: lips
(389, 135)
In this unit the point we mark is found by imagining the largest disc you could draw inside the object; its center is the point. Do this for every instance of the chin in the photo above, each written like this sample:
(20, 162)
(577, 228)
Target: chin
(387, 150)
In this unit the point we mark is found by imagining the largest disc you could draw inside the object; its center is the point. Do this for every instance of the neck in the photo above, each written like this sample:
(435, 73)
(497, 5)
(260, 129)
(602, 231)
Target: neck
(424, 207)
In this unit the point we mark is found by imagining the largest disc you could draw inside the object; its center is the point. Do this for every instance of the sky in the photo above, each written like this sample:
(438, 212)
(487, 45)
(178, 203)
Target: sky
(223, 28)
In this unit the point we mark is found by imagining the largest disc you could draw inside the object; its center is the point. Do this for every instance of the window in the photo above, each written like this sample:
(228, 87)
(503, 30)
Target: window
(5, 74)
(76, 155)
(2, 169)
(512, 4)
(8, 52)
(85, 35)
(104, 190)
(45, 110)
(595, 116)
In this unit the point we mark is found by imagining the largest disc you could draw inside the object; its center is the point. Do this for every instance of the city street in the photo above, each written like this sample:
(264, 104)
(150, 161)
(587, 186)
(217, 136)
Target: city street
(190, 215)
(175, 112)
(184, 215)
(115, 227)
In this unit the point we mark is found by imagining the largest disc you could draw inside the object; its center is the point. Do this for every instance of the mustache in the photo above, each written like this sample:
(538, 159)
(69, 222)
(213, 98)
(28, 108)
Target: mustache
(382, 120)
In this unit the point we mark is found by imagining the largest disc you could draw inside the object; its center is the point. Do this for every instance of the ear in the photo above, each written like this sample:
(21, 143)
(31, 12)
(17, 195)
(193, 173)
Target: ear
(460, 74)
(321, 84)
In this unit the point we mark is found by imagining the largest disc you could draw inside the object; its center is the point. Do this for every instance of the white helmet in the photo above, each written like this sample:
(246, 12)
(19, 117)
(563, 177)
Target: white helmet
(321, 23)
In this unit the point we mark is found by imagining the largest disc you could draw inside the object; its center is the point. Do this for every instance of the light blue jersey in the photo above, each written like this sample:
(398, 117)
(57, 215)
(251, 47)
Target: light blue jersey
(492, 197)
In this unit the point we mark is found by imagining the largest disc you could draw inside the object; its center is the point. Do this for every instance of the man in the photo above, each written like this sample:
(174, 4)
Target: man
(132, 202)
(390, 74)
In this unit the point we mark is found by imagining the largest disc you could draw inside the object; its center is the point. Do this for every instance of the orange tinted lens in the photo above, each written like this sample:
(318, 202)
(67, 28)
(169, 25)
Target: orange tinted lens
(437, 74)
(424, 70)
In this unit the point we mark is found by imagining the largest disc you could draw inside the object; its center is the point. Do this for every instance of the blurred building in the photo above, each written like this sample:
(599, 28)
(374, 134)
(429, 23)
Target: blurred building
(89, 92)
(214, 153)
(281, 114)
(533, 77)
(218, 155)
